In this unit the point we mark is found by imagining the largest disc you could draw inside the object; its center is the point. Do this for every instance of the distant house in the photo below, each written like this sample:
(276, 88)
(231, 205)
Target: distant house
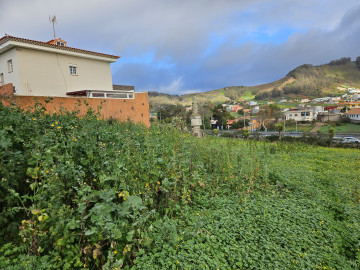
(349, 104)
(328, 116)
(65, 74)
(300, 115)
(354, 115)
(255, 124)
(255, 110)
(316, 110)
(252, 103)
(230, 122)
(235, 108)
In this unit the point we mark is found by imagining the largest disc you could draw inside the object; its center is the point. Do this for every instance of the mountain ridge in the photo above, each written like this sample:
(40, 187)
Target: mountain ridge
(305, 81)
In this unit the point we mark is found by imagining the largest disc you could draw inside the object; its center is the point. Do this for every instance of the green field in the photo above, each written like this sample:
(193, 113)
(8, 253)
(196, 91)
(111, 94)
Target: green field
(344, 128)
(83, 193)
(300, 127)
(248, 96)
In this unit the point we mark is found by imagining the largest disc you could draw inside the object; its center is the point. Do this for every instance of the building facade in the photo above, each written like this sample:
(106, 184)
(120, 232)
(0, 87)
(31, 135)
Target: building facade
(65, 74)
(354, 115)
(300, 115)
(38, 68)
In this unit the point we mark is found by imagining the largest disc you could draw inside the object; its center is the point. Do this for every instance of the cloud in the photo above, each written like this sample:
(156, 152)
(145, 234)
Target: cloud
(179, 46)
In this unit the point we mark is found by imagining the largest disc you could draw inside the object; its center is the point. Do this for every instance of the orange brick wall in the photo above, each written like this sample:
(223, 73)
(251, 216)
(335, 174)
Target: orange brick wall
(136, 110)
(6, 90)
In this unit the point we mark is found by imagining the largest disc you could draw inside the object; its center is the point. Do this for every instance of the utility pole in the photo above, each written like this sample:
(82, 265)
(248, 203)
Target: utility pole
(244, 119)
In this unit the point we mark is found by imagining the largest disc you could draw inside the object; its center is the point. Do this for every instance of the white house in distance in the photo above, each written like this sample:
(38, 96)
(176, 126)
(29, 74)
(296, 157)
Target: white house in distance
(37, 68)
(354, 115)
(299, 115)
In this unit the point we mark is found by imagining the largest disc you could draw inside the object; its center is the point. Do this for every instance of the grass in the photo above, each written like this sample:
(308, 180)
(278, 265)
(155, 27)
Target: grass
(300, 128)
(82, 193)
(345, 128)
(248, 96)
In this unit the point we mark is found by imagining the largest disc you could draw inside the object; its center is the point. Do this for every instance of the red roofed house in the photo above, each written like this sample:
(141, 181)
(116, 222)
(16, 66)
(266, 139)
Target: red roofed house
(52, 69)
(354, 115)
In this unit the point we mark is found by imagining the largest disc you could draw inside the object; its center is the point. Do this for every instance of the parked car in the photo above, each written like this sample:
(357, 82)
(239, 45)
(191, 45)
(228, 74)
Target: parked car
(350, 140)
(338, 140)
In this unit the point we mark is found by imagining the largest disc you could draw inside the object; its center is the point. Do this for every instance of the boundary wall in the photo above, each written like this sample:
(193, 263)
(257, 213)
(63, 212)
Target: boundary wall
(135, 110)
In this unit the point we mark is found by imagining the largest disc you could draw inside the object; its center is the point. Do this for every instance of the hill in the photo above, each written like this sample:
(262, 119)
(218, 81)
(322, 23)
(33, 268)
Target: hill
(302, 82)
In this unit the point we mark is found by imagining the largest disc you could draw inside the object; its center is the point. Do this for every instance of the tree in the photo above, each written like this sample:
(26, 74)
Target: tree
(221, 114)
(240, 124)
(331, 133)
(246, 133)
(358, 61)
(275, 111)
(276, 92)
(165, 114)
(241, 112)
(279, 128)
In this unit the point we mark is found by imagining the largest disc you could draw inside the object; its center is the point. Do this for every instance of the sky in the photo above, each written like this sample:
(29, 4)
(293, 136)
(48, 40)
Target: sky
(185, 46)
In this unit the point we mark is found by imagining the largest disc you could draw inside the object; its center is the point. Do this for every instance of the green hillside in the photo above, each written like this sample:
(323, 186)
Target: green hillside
(305, 81)
(83, 193)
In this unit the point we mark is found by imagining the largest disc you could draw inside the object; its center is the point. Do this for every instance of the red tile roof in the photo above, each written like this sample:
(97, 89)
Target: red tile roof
(354, 111)
(45, 44)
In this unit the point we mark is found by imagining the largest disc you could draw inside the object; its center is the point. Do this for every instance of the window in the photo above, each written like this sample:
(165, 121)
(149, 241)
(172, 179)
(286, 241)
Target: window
(2, 79)
(10, 66)
(117, 96)
(99, 95)
(307, 113)
(303, 114)
(72, 70)
(60, 43)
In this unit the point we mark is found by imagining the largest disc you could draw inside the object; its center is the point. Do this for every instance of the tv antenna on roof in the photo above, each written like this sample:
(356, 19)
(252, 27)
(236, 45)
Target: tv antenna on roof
(52, 19)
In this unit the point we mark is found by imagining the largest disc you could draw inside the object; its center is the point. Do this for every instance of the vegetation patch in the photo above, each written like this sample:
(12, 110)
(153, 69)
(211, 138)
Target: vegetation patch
(93, 194)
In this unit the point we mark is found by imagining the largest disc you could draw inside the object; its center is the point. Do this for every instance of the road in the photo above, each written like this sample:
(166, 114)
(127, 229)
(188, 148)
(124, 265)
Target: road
(297, 134)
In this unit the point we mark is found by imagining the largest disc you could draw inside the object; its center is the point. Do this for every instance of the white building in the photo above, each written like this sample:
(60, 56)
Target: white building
(252, 103)
(37, 68)
(300, 115)
(354, 115)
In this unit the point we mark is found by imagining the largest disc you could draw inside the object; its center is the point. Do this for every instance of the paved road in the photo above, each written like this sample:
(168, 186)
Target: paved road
(296, 134)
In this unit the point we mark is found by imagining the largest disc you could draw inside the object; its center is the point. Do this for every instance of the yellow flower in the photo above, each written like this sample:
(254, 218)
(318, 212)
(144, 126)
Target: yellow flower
(115, 252)
(47, 171)
(147, 185)
(56, 123)
(124, 195)
(52, 125)
(75, 140)
(34, 118)
(197, 214)
(158, 182)
(59, 127)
